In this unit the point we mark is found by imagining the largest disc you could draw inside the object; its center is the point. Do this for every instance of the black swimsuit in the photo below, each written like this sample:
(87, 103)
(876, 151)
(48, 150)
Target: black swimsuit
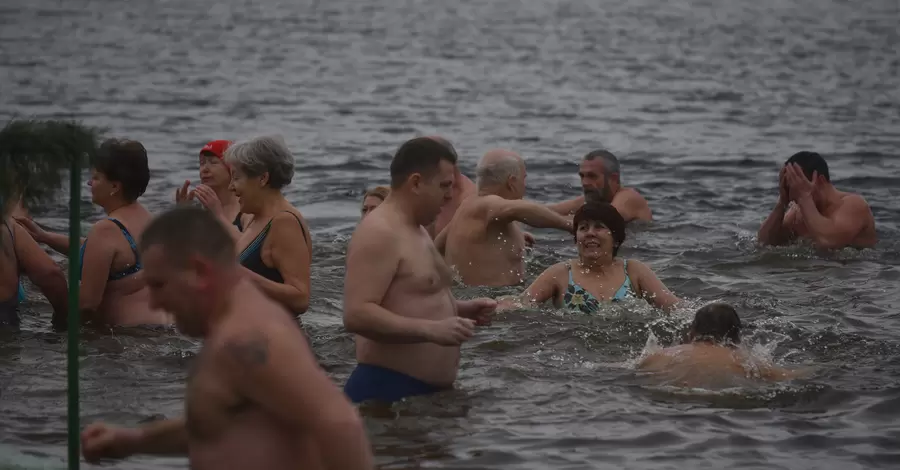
(251, 257)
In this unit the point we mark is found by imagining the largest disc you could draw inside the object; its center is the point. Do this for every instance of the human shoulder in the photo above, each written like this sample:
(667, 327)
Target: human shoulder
(103, 228)
(854, 202)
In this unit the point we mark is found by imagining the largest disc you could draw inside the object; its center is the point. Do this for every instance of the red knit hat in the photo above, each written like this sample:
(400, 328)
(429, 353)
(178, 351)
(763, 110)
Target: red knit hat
(217, 148)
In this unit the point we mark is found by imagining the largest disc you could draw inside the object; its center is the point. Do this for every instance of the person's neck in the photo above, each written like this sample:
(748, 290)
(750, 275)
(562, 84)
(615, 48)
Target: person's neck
(830, 197)
(596, 266)
(271, 202)
(406, 207)
(222, 295)
(114, 206)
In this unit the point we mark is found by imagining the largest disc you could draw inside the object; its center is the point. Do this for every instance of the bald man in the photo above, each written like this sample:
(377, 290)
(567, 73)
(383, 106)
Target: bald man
(483, 241)
(463, 187)
(601, 181)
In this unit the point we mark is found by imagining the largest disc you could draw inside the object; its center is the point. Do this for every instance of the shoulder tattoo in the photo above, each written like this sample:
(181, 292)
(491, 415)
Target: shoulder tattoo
(249, 350)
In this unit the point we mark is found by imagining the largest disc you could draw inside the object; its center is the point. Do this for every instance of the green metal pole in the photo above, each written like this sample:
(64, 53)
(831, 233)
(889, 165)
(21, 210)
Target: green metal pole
(74, 326)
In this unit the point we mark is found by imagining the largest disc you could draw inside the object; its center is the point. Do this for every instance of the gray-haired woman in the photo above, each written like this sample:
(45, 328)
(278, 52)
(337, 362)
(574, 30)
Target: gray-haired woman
(275, 246)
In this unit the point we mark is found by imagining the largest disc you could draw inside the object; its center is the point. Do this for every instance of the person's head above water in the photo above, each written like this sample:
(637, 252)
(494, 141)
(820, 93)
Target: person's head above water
(501, 172)
(121, 173)
(716, 323)
(600, 176)
(260, 167)
(214, 172)
(190, 265)
(373, 198)
(810, 163)
(422, 174)
(599, 231)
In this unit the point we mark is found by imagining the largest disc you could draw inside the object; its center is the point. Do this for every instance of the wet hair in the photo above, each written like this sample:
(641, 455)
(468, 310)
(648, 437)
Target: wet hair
(810, 162)
(604, 213)
(717, 323)
(421, 155)
(260, 155)
(610, 162)
(187, 230)
(125, 162)
(381, 192)
(499, 171)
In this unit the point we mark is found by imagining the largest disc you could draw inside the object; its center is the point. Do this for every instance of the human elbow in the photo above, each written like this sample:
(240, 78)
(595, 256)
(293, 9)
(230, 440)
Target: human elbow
(51, 281)
(300, 301)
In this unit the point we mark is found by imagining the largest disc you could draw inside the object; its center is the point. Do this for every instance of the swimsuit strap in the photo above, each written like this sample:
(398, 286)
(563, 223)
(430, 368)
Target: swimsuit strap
(130, 239)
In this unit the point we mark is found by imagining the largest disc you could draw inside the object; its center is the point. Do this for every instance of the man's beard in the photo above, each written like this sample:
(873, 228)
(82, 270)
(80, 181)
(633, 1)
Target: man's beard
(595, 195)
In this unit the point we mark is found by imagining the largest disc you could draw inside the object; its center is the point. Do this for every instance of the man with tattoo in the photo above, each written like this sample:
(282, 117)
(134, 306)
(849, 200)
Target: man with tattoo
(256, 397)
(397, 297)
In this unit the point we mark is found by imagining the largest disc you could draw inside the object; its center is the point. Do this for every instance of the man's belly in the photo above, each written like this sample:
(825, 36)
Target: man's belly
(253, 442)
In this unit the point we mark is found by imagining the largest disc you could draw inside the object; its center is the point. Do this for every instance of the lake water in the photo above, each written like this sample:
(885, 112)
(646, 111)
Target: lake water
(701, 100)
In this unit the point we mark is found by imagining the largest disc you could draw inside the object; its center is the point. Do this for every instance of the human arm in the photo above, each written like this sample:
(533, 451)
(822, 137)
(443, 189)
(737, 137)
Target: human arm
(44, 273)
(440, 241)
(649, 287)
(835, 232)
(479, 310)
(57, 241)
(776, 229)
(210, 200)
(567, 207)
(528, 212)
(290, 255)
(99, 253)
(544, 288)
(165, 437)
(276, 371)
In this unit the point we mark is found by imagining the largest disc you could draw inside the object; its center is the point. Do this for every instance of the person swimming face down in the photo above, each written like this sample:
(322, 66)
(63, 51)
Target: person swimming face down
(599, 232)
(717, 323)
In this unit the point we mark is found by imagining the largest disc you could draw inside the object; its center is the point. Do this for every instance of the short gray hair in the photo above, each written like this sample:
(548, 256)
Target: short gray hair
(498, 172)
(610, 162)
(260, 155)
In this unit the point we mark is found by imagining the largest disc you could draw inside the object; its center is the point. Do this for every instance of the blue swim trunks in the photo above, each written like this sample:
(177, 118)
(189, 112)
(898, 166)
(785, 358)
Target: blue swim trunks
(368, 382)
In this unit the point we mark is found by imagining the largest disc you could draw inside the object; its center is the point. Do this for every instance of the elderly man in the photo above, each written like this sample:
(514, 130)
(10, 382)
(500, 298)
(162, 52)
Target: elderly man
(831, 219)
(483, 241)
(601, 181)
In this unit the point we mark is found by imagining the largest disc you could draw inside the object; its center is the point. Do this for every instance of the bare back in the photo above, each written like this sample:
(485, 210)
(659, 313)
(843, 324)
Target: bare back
(708, 366)
(485, 252)
(227, 429)
(420, 288)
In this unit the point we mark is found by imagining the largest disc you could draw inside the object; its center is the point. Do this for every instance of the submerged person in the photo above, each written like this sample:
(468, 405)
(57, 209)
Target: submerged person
(214, 190)
(484, 242)
(257, 398)
(601, 181)
(275, 244)
(598, 275)
(711, 356)
(373, 198)
(19, 254)
(831, 219)
(113, 290)
(397, 298)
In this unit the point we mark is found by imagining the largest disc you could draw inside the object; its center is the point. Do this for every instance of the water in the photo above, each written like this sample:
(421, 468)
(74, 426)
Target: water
(702, 101)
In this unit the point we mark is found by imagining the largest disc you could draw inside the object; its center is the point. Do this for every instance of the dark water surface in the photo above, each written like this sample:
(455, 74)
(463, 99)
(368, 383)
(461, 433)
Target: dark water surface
(702, 100)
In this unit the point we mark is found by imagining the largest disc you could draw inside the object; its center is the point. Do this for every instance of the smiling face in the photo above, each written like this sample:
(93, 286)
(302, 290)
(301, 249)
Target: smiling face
(213, 171)
(594, 240)
(248, 189)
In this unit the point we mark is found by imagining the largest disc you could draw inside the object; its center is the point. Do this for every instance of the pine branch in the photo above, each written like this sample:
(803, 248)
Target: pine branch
(35, 156)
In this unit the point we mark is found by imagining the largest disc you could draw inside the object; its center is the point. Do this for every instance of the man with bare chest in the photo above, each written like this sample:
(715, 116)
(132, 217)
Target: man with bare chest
(256, 397)
(829, 218)
(483, 242)
(397, 297)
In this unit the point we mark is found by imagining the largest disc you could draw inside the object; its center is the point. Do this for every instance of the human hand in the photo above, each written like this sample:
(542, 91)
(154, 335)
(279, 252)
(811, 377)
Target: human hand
(102, 441)
(33, 229)
(783, 190)
(209, 199)
(183, 195)
(451, 331)
(529, 239)
(479, 310)
(798, 186)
